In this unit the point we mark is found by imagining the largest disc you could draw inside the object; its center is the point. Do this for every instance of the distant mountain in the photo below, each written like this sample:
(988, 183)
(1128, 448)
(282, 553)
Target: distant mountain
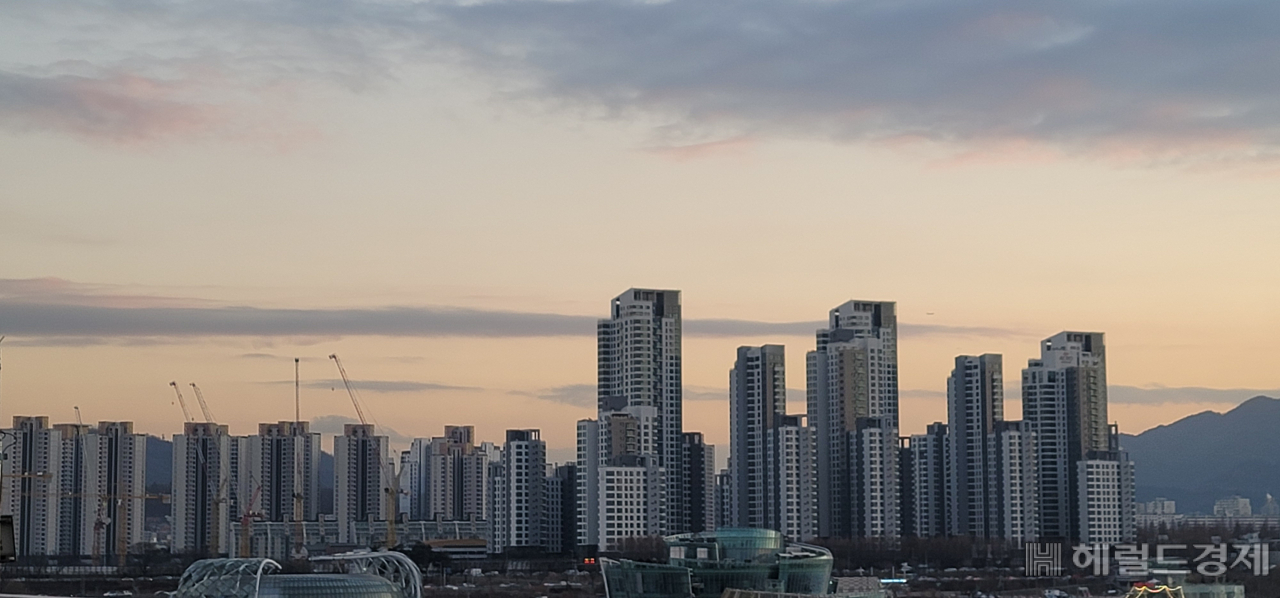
(160, 475)
(1207, 456)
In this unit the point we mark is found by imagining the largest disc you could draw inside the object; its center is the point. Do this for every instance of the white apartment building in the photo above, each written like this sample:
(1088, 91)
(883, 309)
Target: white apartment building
(201, 477)
(757, 405)
(1234, 506)
(519, 502)
(975, 402)
(448, 476)
(363, 474)
(639, 366)
(790, 478)
(1101, 513)
(32, 484)
(632, 500)
(852, 394)
(929, 466)
(75, 489)
(285, 465)
(1064, 404)
(1011, 484)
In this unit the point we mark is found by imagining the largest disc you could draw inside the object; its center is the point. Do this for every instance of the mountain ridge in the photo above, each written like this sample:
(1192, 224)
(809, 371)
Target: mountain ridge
(1209, 455)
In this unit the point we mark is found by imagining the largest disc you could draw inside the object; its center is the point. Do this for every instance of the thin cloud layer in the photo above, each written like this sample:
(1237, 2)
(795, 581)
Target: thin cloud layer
(118, 107)
(1162, 395)
(1143, 80)
(86, 315)
(379, 386)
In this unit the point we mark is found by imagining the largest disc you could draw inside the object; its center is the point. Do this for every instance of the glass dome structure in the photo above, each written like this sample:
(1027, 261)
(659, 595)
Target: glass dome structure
(705, 564)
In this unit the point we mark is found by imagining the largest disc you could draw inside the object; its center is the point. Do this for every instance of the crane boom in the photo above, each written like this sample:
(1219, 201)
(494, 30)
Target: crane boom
(204, 407)
(392, 480)
(186, 413)
(350, 391)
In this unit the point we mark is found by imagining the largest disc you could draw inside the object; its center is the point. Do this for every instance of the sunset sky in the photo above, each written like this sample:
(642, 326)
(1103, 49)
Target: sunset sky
(448, 193)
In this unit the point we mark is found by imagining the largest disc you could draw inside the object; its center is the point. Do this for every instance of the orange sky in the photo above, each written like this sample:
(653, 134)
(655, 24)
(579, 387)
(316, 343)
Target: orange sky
(1002, 182)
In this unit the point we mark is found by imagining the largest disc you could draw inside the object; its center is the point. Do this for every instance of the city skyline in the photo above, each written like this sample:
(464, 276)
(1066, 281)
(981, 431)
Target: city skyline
(708, 407)
(441, 192)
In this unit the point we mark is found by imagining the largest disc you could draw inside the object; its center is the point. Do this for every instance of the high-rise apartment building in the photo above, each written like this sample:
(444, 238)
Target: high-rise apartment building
(790, 477)
(927, 473)
(1011, 490)
(201, 477)
(448, 476)
(757, 405)
(1064, 403)
(519, 497)
(560, 532)
(286, 468)
(700, 487)
(588, 485)
(32, 479)
(116, 474)
(75, 489)
(852, 393)
(639, 376)
(362, 478)
(975, 402)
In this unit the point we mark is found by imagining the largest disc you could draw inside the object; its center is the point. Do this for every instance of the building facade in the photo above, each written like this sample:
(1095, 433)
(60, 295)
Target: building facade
(363, 476)
(852, 396)
(929, 480)
(757, 405)
(519, 504)
(448, 476)
(1064, 402)
(700, 482)
(201, 476)
(639, 375)
(975, 402)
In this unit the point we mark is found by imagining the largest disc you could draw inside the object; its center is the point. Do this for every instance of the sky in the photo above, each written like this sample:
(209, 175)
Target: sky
(447, 194)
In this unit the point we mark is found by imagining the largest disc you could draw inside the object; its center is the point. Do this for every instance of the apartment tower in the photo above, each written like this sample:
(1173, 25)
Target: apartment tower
(852, 393)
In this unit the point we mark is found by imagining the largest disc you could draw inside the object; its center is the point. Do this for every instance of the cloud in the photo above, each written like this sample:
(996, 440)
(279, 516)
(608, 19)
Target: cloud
(1160, 395)
(381, 386)
(578, 395)
(58, 308)
(705, 393)
(116, 107)
(1158, 81)
(1147, 81)
(331, 425)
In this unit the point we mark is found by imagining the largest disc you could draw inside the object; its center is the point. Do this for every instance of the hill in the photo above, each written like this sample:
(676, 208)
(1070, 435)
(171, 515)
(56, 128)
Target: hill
(1207, 456)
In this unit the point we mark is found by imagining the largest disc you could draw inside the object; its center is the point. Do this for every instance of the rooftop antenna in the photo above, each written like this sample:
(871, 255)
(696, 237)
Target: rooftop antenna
(297, 400)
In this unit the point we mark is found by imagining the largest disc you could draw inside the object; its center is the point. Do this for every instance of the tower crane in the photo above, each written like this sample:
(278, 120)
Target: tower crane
(246, 520)
(204, 407)
(392, 489)
(186, 413)
(204, 464)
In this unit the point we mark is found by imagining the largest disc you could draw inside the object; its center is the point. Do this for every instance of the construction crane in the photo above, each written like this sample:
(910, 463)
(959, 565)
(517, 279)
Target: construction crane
(392, 489)
(217, 498)
(186, 413)
(246, 520)
(299, 530)
(204, 407)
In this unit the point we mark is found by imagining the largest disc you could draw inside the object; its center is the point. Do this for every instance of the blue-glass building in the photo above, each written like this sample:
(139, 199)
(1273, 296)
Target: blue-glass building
(705, 564)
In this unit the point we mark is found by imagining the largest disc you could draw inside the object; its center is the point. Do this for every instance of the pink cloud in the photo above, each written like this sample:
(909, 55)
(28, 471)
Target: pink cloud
(117, 107)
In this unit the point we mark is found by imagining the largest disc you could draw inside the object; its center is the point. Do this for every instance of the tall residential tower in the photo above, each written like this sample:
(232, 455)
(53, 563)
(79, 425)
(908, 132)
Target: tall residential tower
(852, 392)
